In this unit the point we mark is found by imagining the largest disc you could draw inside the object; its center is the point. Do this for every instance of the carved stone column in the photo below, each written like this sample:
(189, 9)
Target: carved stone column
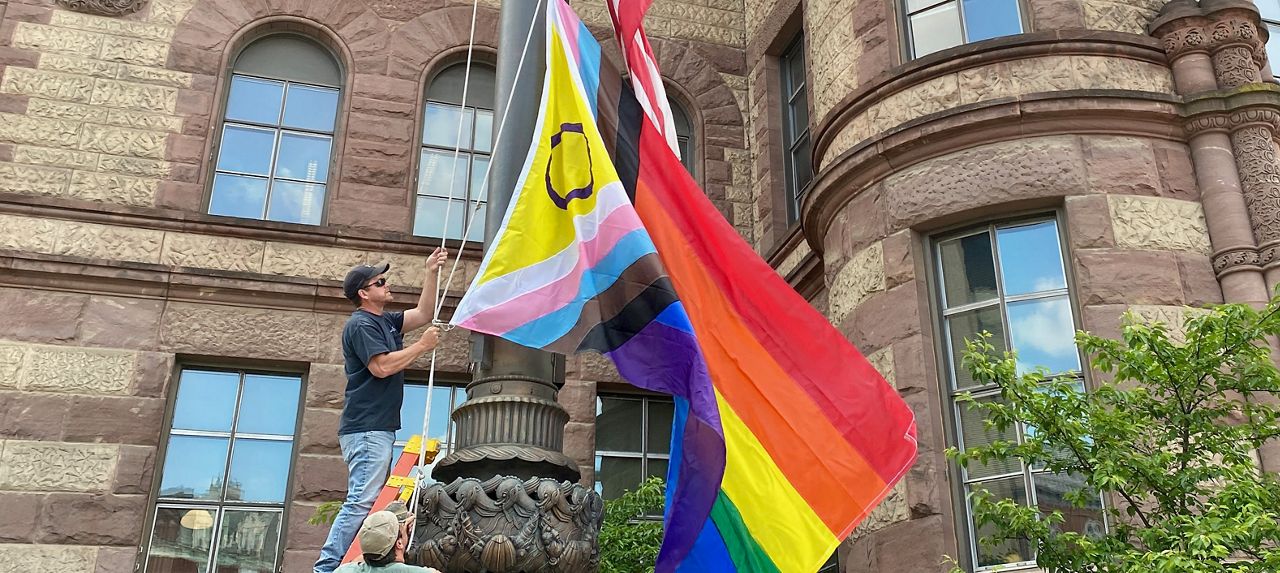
(1253, 141)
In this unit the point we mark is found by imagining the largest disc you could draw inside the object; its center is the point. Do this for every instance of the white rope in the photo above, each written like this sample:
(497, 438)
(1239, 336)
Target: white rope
(441, 295)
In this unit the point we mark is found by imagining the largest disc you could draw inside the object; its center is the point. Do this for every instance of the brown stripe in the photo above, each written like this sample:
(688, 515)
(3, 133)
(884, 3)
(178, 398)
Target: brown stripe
(609, 303)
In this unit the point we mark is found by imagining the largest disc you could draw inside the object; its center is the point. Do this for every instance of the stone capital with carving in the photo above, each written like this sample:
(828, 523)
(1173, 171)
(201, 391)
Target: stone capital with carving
(1230, 33)
(1235, 259)
(1203, 123)
(103, 7)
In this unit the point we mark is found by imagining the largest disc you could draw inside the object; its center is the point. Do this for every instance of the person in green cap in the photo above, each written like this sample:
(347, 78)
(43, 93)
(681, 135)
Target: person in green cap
(383, 540)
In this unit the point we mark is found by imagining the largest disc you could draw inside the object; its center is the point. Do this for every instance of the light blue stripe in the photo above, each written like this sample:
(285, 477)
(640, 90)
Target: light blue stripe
(589, 66)
(550, 327)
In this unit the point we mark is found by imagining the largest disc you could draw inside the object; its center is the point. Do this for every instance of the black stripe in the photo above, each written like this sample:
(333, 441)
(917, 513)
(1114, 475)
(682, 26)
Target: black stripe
(635, 316)
(626, 155)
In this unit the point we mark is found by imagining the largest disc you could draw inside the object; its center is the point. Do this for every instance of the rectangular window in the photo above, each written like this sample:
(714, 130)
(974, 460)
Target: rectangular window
(445, 398)
(633, 441)
(934, 25)
(798, 164)
(1270, 10)
(273, 159)
(225, 473)
(1009, 280)
(449, 186)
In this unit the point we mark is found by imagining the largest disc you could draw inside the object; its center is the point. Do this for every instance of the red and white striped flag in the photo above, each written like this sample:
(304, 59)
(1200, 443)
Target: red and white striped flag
(628, 16)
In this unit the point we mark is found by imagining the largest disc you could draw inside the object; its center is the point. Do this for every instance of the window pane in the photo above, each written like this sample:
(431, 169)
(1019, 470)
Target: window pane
(296, 202)
(1051, 490)
(617, 475)
(661, 414)
(246, 150)
(303, 157)
(193, 467)
(206, 401)
(269, 405)
(803, 167)
(180, 540)
(657, 467)
(985, 19)
(799, 117)
(975, 434)
(1270, 9)
(248, 541)
(966, 326)
(259, 470)
(795, 68)
(936, 29)
(968, 270)
(255, 100)
(619, 422)
(413, 408)
(439, 173)
(429, 219)
(311, 108)
(238, 196)
(477, 217)
(1015, 551)
(1030, 258)
(1042, 333)
(479, 164)
(484, 130)
(441, 125)
(918, 5)
(1273, 46)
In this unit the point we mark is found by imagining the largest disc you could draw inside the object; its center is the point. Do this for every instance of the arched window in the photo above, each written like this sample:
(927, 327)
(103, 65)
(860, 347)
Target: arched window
(277, 132)
(437, 169)
(684, 134)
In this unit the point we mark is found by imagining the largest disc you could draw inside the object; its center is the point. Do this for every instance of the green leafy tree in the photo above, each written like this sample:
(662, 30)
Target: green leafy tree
(1169, 435)
(632, 531)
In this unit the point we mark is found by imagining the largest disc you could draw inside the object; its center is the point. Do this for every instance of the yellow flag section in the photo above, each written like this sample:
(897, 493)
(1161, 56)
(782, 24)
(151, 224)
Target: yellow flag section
(562, 176)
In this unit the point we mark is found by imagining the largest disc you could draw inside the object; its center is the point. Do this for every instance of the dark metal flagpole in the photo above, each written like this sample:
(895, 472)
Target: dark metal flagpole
(506, 497)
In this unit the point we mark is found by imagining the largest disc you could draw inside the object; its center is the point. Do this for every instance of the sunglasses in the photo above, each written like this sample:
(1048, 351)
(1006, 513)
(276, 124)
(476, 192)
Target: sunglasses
(378, 283)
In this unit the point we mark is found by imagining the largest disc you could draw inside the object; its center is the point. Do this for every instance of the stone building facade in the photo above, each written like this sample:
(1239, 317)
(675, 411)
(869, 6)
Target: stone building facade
(1074, 160)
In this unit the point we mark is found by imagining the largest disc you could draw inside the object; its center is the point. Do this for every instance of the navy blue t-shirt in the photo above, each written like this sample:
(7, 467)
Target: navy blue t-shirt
(372, 403)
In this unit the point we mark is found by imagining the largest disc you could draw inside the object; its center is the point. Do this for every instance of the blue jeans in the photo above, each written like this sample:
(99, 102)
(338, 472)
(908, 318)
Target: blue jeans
(368, 456)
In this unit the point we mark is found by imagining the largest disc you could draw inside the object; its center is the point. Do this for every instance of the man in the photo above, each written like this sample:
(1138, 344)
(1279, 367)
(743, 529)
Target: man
(375, 358)
(383, 539)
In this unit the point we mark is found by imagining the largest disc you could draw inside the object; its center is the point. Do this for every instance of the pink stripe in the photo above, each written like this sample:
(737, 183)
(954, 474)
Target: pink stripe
(537, 303)
(569, 28)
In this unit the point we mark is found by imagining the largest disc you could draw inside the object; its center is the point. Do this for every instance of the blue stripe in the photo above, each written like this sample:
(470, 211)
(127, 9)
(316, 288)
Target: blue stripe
(709, 554)
(677, 449)
(550, 327)
(675, 317)
(589, 66)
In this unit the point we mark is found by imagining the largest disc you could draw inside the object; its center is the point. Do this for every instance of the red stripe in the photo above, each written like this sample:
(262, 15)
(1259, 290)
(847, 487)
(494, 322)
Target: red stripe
(854, 397)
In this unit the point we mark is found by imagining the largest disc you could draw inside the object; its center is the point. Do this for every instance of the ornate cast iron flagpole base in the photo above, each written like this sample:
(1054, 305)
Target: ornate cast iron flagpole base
(506, 525)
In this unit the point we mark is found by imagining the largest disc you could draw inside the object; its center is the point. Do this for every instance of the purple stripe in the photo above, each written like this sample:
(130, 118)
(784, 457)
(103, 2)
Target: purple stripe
(668, 360)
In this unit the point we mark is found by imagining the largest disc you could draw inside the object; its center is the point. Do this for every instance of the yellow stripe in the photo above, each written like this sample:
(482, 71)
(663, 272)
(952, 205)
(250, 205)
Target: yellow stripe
(781, 522)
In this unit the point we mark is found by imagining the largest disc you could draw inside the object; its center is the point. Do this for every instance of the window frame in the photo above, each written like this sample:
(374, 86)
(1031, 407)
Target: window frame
(791, 142)
(644, 455)
(908, 34)
(950, 388)
(469, 153)
(155, 501)
(449, 441)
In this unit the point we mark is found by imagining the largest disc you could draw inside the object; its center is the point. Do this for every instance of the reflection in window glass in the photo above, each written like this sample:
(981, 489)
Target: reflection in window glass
(798, 164)
(226, 469)
(633, 441)
(444, 399)
(935, 25)
(1008, 280)
(448, 189)
(274, 155)
(1270, 11)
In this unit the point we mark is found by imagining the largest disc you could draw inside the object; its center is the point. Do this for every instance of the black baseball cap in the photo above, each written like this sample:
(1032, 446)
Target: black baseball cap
(359, 276)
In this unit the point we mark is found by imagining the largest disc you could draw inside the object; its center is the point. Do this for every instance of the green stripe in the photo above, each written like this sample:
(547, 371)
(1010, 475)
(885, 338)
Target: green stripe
(747, 555)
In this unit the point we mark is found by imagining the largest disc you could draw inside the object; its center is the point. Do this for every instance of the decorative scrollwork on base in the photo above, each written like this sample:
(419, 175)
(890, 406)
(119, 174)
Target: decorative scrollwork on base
(504, 524)
(103, 7)
(1232, 260)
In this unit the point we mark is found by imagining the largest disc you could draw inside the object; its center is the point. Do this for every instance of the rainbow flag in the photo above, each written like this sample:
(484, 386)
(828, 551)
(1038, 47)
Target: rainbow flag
(784, 436)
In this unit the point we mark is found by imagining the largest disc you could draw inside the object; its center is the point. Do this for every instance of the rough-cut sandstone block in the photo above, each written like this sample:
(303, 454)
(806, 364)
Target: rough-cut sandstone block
(110, 188)
(12, 357)
(1173, 317)
(69, 111)
(27, 558)
(109, 242)
(55, 157)
(53, 85)
(1119, 16)
(154, 76)
(143, 120)
(78, 65)
(882, 360)
(77, 370)
(890, 511)
(793, 260)
(44, 38)
(209, 252)
(862, 276)
(133, 51)
(113, 26)
(169, 12)
(28, 234)
(133, 166)
(47, 466)
(121, 141)
(134, 96)
(38, 131)
(1159, 224)
(306, 261)
(32, 180)
(244, 332)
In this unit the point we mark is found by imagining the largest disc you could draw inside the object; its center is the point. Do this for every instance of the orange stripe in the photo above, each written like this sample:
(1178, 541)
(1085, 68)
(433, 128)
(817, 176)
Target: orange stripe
(823, 466)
